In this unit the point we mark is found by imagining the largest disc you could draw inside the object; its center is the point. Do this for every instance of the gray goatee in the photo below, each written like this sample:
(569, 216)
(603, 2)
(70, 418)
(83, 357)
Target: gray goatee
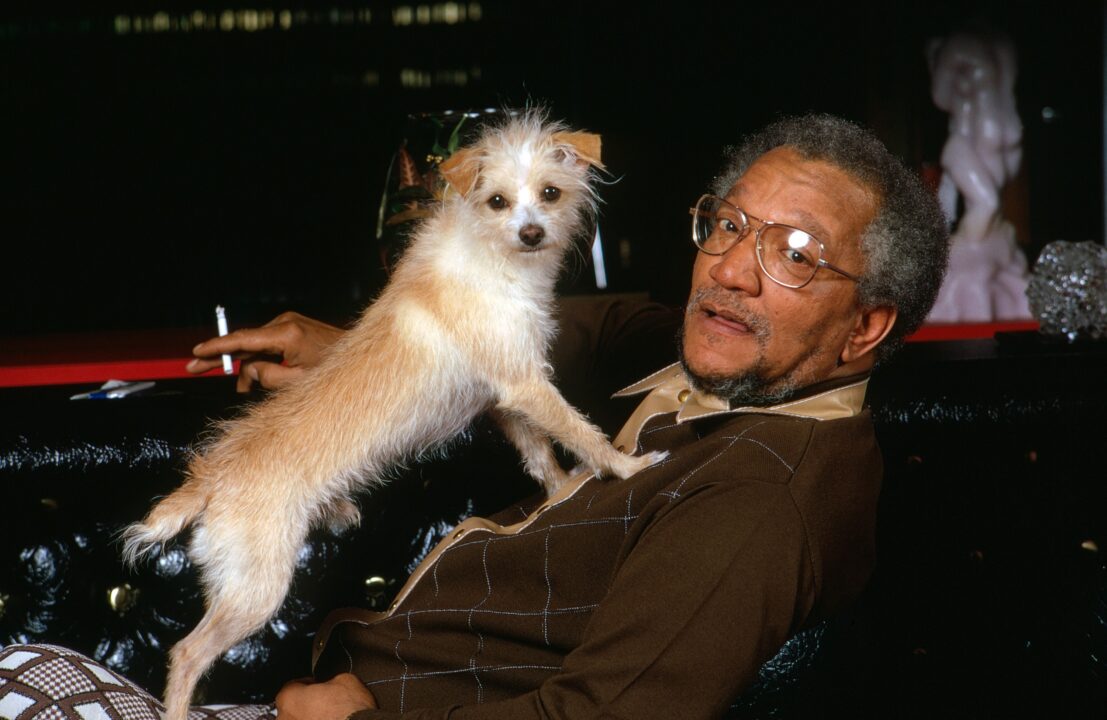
(749, 387)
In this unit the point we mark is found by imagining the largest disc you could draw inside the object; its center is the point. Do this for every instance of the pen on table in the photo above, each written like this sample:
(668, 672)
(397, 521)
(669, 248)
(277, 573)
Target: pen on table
(221, 321)
(113, 390)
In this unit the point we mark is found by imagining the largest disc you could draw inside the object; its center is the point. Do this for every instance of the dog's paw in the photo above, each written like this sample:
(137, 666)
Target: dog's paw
(138, 541)
(552, 480)
(341, 515)
(623, 466)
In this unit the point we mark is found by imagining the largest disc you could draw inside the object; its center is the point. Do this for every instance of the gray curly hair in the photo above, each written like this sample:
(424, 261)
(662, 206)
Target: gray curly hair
(905, 247)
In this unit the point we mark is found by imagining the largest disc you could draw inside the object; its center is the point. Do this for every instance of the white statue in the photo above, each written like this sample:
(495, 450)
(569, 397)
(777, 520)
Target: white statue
(973, 79)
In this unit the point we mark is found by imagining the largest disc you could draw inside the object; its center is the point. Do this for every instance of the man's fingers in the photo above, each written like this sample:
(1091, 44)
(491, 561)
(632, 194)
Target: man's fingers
(198, 366)
(270, 375)
(269, 340)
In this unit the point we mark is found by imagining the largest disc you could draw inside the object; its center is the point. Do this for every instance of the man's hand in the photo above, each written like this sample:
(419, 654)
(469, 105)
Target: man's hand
(335, 699)
(299, 340)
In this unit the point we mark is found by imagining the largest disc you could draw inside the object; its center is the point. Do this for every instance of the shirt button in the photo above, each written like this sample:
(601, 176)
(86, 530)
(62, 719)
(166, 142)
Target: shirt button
(683, 395)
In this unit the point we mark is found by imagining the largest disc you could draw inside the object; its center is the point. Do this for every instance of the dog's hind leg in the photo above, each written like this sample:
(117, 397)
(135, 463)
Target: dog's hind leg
(190, 658)
(224, 625)
(534, 446)
(247, 580)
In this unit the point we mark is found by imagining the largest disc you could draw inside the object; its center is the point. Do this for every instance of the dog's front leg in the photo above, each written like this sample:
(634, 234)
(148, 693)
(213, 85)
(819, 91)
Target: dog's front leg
(534, 446)
(542, 407)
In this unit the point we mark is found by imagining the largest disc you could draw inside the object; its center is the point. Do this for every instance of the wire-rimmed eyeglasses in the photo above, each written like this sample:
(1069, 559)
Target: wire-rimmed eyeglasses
(788, 256)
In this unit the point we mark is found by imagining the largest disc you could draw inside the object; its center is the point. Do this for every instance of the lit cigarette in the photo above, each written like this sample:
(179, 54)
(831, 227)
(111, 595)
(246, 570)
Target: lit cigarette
(221, 321)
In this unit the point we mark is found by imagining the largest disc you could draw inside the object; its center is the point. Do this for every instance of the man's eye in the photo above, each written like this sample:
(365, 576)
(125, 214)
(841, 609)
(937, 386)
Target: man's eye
(497, 202)
(796, 257)
(728, 226)
(551, 194)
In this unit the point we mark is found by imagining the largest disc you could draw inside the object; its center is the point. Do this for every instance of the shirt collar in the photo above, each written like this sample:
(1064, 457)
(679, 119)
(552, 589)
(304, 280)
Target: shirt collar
(670, 390)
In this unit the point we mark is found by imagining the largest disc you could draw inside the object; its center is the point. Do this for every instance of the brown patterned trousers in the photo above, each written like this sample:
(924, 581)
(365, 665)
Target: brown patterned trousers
(46, 682)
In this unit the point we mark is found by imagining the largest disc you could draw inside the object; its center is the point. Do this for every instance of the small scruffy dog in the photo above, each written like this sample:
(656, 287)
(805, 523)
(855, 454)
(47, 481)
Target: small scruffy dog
(462, 327)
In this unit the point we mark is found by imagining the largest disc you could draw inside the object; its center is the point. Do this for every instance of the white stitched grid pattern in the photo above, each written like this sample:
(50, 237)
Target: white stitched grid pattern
(549, 590)
(742, 436)
(546, 610)
(519, 613)
(403, 678)
(675, 492)
(480, 636)
(484, 669)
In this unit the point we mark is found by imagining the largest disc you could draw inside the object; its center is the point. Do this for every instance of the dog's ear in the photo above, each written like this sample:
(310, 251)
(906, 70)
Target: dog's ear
(460, 170)
(586, 146)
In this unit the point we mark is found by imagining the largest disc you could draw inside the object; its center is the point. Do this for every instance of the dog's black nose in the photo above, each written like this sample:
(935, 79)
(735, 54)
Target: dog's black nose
(531, 234)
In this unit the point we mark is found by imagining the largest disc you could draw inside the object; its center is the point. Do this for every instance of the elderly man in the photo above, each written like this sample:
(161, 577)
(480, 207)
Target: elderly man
(662, 595)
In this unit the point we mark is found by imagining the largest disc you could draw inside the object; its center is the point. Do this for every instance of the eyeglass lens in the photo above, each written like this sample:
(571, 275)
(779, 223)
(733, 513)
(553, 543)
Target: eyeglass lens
(788, 256)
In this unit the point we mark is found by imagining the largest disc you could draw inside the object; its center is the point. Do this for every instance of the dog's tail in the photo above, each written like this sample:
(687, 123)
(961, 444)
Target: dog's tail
(168, 518)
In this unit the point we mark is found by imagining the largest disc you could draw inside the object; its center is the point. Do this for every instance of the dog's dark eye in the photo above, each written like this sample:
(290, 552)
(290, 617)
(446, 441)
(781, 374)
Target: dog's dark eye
(497, 202)
(551, 194)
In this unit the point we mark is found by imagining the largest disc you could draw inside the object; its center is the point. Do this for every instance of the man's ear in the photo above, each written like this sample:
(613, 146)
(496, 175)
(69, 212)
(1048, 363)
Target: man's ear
(872, 326)
(586, 146)
(460, 170)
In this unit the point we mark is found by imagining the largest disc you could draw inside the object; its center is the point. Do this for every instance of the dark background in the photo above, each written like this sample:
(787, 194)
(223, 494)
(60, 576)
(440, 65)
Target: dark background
(150, 171)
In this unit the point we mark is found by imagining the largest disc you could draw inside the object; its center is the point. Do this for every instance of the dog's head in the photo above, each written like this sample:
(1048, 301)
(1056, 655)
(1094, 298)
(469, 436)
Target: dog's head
(529, 182)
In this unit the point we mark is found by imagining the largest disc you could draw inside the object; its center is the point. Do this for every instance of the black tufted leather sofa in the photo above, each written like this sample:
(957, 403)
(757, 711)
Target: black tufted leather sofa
(989, 599)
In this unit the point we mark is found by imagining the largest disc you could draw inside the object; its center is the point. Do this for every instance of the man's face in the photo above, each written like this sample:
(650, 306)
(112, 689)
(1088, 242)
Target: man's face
(744, 335)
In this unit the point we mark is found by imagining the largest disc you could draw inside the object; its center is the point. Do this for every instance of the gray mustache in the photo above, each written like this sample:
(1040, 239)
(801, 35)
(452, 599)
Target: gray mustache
(722, 300)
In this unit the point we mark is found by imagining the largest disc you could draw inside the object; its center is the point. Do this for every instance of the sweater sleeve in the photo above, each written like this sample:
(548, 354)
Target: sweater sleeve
(606, 342)
(712, 589)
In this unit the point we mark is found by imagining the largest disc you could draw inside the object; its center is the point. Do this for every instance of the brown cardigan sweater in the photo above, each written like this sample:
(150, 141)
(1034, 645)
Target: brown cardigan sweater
(655, 597)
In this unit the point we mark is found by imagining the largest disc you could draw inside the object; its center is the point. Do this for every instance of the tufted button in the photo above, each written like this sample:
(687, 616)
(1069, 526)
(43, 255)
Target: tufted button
(1090, 546)
(683, 395)
(376, 591)
(375, 585)
(122, 598)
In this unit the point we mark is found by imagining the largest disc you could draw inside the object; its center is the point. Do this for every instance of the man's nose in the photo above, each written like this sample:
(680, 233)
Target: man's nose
(737, 268)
